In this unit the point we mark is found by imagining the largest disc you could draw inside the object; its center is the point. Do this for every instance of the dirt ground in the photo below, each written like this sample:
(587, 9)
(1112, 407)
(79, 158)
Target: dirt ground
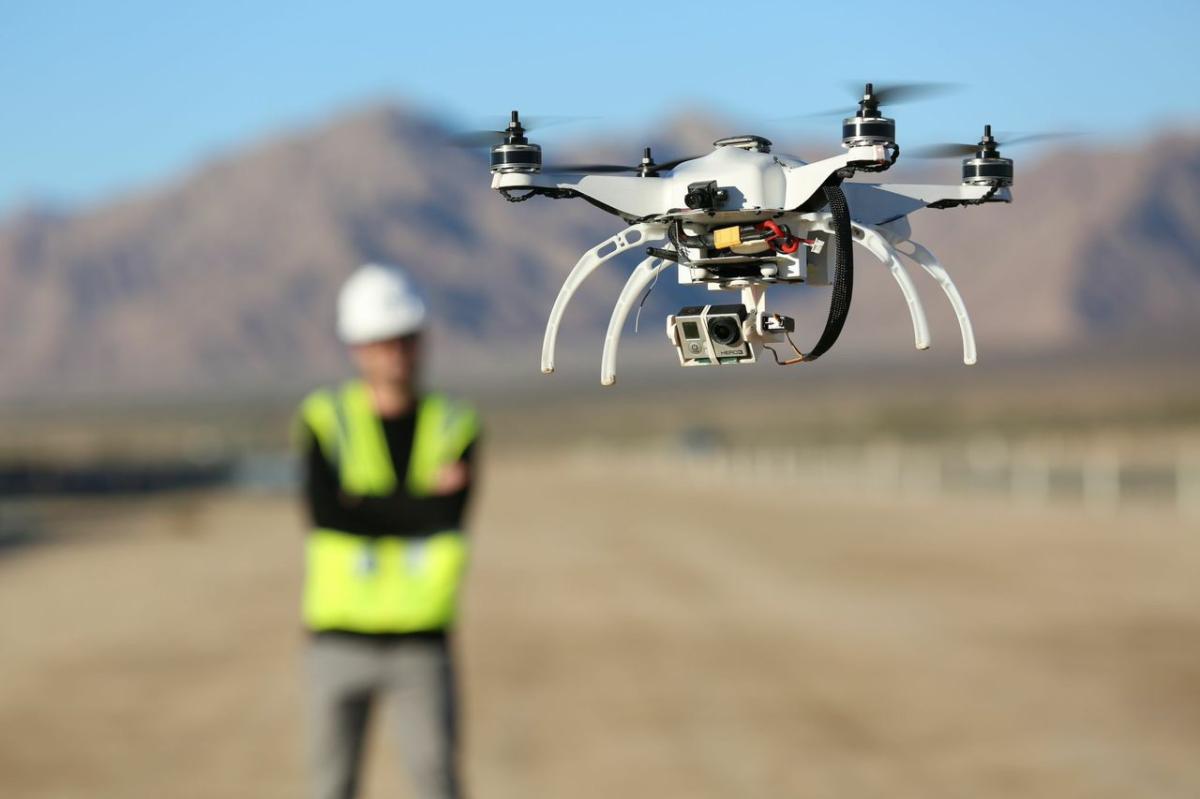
(629, 637)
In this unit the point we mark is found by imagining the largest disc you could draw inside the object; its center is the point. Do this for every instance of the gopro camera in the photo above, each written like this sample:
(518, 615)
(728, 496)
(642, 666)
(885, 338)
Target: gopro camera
(710, 335)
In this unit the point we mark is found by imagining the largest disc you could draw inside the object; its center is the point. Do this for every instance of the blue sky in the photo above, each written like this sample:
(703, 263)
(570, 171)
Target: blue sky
(104, 97)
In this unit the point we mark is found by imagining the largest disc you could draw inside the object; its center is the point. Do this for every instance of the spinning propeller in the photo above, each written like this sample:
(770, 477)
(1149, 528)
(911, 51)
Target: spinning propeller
(876, 94)
(963, 150)
(982, 163)
(517, 128)
(646, 167)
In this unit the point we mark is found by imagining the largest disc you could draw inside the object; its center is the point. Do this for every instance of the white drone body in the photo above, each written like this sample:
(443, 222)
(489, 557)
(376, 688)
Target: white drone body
(756, 219)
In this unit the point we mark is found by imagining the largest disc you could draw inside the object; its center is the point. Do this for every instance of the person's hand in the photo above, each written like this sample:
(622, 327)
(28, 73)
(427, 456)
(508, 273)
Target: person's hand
(452, 478)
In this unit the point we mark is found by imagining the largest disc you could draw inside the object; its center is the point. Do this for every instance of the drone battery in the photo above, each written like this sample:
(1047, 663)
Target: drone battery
(742, 239)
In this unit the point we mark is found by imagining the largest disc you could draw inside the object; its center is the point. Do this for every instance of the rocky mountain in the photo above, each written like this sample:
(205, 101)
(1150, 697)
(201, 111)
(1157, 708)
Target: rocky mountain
(223, 280)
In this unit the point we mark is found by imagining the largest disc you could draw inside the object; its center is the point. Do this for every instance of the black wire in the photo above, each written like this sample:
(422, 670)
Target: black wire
(637, 318)
(507, 194)
(843, 281)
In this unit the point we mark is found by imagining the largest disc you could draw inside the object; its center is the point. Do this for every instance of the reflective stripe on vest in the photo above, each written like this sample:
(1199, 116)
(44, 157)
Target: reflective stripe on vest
(387, 583)
(382, 585)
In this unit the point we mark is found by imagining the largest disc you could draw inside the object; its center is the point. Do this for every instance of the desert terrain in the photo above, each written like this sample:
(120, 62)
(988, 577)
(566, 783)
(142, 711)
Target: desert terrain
(631, 633)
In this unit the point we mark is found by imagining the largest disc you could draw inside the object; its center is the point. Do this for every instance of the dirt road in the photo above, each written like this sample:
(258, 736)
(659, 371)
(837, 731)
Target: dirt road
(625, 638)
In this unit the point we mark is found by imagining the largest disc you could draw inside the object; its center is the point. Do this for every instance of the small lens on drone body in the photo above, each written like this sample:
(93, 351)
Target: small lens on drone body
(725, 331)
(704, 195)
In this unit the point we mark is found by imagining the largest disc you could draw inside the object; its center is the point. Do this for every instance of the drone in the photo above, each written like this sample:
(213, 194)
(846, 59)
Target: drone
(742, 218)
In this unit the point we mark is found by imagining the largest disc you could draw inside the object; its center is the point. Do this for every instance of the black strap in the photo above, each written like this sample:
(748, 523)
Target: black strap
(843, 280)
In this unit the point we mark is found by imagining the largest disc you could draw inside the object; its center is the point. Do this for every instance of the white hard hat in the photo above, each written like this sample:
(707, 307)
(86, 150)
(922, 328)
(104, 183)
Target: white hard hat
(378, 302)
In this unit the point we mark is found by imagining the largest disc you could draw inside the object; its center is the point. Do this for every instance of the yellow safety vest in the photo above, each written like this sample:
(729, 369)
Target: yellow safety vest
(384, 584)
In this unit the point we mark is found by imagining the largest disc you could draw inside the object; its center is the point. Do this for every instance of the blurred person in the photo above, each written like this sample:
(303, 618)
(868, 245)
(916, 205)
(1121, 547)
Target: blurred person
(388, 473)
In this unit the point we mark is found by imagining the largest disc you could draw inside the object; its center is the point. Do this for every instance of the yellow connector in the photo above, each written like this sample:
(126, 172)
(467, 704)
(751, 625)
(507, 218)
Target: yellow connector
(727, 237)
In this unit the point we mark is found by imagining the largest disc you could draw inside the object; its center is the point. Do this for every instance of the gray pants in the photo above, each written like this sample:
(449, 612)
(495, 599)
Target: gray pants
(346, 675)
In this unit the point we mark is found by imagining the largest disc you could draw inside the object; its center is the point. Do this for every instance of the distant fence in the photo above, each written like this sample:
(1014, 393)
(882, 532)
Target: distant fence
(33, 480)
(267, 471)
(1097, 477)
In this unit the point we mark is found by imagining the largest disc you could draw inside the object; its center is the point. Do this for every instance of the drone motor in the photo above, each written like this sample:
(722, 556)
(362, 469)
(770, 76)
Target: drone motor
(987, 168)
(516, 153)
(868, 127)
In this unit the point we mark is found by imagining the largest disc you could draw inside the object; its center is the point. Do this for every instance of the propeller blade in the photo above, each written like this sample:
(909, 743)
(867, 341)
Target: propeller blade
(476, 138)
(487, 138)
(543, 121)
(596, 168)
(885, 94)
(609, 168)
(896, 93)
(841, 111)
(945, 150)
(1003, 140)
(674, 163)
(1007, 140)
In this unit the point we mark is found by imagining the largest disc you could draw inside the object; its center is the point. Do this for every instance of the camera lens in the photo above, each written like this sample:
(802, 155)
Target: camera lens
(725, 330)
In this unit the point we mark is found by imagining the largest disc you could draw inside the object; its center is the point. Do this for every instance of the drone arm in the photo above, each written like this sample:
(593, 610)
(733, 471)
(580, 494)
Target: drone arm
(881, 248)
(805, 181)
(629, 197)
(930, 264)
(589, 263)
(635, 197)
(638, 282)
(939, 194)
(886, 203)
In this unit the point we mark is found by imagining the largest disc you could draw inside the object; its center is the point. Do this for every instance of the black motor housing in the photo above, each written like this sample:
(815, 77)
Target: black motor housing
(994, 171)
(516, 158)
(858, 131)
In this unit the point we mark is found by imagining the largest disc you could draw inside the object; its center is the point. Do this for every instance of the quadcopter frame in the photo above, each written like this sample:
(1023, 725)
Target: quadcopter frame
(756, 187)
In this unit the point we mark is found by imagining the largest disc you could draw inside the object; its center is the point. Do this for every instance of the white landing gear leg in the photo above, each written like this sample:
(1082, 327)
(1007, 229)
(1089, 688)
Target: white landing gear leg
(879, 246)
(930, 264)
(590, 262)
(638, 282)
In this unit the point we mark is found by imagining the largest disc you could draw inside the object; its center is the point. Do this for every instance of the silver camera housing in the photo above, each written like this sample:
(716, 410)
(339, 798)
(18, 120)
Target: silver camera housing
(711, 335)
